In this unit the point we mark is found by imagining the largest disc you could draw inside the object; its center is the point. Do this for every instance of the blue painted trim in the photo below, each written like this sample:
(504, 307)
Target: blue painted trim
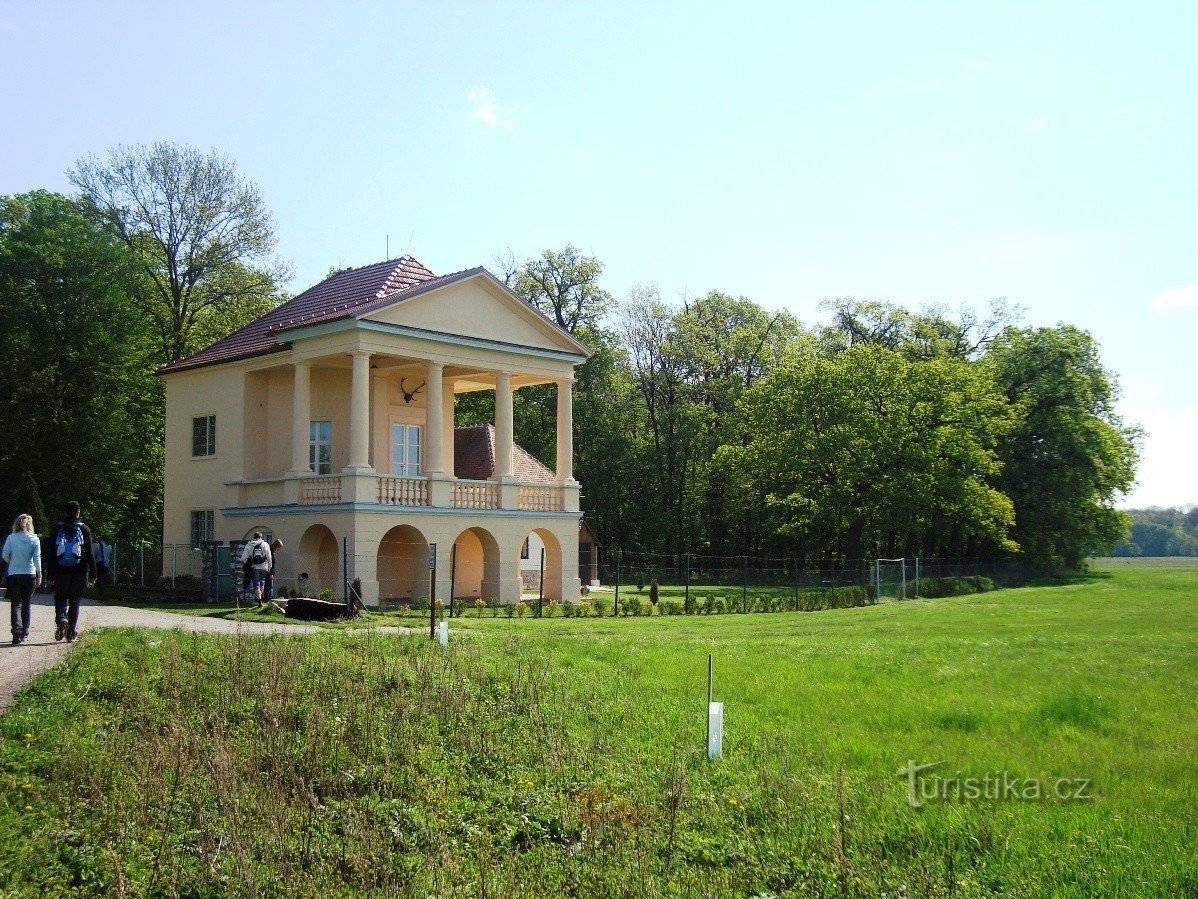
(376, 508)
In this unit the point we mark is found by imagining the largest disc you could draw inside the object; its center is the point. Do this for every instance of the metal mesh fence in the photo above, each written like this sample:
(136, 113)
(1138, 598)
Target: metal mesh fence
(697, 584)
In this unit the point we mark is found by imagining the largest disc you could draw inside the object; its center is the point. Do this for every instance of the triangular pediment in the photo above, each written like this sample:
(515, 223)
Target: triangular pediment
(479, 306)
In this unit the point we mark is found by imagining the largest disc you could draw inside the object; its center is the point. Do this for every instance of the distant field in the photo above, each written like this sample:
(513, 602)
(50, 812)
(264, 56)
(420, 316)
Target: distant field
(563, 757)
(1110, 563)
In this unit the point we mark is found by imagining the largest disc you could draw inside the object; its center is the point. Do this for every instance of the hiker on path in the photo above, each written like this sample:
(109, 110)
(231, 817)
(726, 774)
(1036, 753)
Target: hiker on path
(257, 556)
(275, 546)
(73, 567)
(103, 552)
(23, 556)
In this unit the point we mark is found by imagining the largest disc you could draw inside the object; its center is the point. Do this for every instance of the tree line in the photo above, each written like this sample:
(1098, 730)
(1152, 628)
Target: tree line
(1161, 532)
(708, 425)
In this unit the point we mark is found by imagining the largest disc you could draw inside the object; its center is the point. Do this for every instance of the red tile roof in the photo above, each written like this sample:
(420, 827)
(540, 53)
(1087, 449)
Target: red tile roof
(474, 457)
(349, 292)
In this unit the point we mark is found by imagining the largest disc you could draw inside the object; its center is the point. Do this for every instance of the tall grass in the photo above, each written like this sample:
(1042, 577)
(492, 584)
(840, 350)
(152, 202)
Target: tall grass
(565, 758)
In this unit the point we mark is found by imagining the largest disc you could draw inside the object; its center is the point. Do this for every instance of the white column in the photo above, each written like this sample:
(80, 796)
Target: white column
(504, 424)
(565, 431)
(447, 405)
(434, 465)
(359, 414)
(301, 418)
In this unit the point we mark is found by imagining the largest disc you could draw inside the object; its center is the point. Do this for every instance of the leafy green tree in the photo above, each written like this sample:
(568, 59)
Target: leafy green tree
(1069, 457)
(77, 356)
(29, 502)
(869, 453)
(199, 231)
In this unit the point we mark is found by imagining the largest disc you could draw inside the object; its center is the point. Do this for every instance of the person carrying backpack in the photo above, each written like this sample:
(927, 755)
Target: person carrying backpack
(73, 566)
(23, 556)
(257, 557)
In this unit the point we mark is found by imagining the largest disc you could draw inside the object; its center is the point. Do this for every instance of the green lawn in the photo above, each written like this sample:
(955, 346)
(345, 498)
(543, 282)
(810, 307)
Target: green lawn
(564, 757)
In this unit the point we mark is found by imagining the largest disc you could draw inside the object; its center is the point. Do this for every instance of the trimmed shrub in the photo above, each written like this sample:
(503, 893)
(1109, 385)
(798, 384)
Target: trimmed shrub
(670, 607)
(654, 592)
(479, 605)
(553, 608)
(937, 587)
(584, 610)
(521, 609)
(510, 609)
(688, 603)
(568, 609)
(599, 604)
(631, 606)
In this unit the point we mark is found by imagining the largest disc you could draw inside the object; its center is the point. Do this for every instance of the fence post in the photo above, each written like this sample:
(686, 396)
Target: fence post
(744, 584)
(686, 602)
(917, 577)
(541, 586)
(345, 571)
(141, 563)
(432, 591)
(619, 556)
(796, 606)
(174, 562)
(453, 570)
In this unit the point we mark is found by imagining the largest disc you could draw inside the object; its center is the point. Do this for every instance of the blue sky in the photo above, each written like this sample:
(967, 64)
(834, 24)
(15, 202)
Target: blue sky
(951, 152)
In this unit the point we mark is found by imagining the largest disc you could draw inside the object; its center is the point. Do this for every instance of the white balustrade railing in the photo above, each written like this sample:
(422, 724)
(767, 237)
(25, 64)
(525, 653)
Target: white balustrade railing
(540, 498)
(475, 495)
(403, 491)
(320, 490)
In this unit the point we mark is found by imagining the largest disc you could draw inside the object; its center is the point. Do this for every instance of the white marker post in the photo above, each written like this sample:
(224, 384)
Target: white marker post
(715, 730)
(443, 633)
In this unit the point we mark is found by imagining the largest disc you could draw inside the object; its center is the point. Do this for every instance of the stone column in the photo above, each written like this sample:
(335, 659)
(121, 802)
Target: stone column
(434, 465)
(447, 404)
(504, 425)
(301, 418)
(359, 414)
(565, 431)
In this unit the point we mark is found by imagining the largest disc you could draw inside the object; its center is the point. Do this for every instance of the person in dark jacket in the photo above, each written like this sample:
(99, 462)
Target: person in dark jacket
(73, 566)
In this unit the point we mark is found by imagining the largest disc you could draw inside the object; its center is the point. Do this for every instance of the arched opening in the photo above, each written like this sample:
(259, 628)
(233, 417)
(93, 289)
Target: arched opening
(403, 565)
(318, 559)
(476, 565)
(529, 564)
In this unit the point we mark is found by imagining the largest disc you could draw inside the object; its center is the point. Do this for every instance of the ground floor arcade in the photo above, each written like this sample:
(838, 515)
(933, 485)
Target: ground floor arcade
(405, 556)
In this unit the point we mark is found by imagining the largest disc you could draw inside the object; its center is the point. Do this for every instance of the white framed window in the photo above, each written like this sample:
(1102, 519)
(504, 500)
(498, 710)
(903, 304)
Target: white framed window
(203, 436)
(405, 451)
(320, 447)
(203, 524)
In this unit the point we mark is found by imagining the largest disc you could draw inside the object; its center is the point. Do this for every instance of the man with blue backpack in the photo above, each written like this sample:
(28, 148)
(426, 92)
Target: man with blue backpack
(73, 566)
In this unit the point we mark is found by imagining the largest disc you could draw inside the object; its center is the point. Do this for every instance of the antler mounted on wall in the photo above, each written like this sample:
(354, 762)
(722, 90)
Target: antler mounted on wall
(408, 397)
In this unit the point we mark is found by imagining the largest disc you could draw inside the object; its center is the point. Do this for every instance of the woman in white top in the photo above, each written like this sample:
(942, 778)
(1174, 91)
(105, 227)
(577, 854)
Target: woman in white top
(23, 555)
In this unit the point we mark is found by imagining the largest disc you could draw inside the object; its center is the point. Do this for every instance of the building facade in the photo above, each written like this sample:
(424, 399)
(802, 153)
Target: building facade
(329, 422)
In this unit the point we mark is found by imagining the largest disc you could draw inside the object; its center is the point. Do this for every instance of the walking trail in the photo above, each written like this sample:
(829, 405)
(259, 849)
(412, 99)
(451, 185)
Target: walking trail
(21, 664)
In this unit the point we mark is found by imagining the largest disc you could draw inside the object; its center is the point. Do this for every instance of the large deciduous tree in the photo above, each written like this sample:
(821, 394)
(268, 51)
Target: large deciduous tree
(199, 231)
(81, 406)
(1070, 457)
(869, 453)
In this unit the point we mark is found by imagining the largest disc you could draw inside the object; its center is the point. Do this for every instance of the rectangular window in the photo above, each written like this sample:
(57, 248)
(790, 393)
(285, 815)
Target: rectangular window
(405, 451)
(320, 447)
(202, 526)
(203, 436)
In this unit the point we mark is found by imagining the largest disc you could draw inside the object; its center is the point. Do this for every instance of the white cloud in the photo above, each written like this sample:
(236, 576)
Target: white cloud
(1178, 298)
(486, 109)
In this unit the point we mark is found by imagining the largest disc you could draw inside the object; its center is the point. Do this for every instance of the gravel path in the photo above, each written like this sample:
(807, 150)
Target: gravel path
(20, 664)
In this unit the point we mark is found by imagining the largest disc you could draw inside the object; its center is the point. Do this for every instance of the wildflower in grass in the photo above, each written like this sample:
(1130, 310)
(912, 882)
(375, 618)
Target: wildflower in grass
(28, 736)
(29, 808)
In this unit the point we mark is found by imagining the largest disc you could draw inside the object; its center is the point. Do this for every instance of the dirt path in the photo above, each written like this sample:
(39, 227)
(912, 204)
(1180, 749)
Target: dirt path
(20, 664)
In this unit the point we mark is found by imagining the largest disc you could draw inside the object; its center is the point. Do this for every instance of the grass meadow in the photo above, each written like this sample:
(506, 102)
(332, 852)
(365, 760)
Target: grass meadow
(564, 757)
